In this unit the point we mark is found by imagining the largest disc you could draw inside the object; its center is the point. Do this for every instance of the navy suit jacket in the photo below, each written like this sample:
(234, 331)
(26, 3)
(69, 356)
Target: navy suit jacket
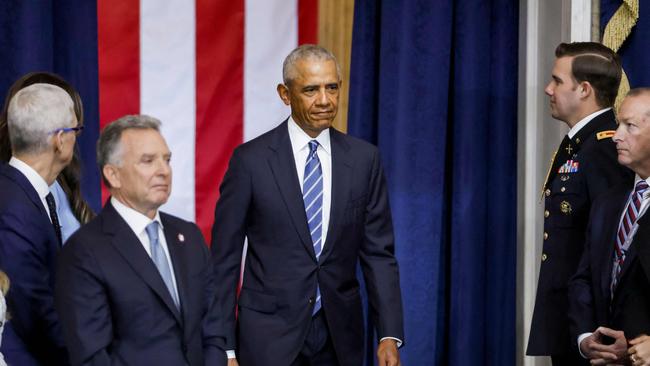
(28, 251)
(590, 301)
(261, 200)
(115, 308)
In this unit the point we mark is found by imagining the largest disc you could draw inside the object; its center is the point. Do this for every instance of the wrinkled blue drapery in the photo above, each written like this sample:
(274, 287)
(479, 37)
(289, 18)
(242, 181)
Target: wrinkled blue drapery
(434, 85)
(635, 52)
(58, 36)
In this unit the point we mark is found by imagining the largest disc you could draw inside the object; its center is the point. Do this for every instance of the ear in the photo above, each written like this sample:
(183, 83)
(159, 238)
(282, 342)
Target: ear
(585, 89)
(283, 92)
(57, 141)
(112, 175)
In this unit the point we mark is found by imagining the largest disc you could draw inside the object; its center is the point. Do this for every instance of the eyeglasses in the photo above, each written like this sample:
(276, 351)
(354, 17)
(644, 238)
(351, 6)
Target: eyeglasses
(77, 130)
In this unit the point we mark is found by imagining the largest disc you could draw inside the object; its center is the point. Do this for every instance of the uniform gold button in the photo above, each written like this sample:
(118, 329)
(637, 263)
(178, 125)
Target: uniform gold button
(547, 192)
(562, 189)
(544, 257)
(545, 236)
(546, 213)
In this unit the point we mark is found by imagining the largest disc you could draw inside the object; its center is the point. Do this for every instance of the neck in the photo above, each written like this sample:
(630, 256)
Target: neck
(592, 108)
(44, 164)
(149, 212)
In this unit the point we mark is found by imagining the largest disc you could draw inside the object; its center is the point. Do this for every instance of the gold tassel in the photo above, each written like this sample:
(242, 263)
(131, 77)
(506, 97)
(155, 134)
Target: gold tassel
(617, 30)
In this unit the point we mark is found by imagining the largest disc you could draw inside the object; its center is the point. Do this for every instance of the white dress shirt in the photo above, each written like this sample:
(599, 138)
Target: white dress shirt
(35, 179)
(300, 147)
(583, 122)
(138, 223)
(645, 202)
(3, 319)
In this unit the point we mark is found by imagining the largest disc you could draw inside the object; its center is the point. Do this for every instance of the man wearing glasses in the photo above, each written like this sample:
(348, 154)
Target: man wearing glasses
(43, 130)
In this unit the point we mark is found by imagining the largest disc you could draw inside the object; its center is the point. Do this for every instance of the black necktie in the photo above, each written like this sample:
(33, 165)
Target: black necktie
(51, 205)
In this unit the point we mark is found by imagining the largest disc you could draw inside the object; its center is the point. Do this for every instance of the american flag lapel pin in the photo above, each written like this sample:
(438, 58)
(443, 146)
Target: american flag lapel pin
(181, 237)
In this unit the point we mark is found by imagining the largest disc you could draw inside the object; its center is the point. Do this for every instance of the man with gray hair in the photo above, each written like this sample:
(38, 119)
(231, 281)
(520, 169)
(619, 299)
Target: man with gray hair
(313, 204)
(42, 130)
(134, 284)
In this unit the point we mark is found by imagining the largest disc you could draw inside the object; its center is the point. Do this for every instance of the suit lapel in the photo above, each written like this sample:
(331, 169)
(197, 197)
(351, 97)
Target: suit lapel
(283, 167)
(130, 247)
(180, 263)
(616, 206)
(341, 182)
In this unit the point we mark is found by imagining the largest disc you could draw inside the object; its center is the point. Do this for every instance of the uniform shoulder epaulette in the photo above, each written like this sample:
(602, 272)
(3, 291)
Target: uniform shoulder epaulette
(605, 134)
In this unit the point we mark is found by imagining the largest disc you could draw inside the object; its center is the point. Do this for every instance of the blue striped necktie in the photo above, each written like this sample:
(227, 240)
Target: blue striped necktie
(312, 196)
(160, 260)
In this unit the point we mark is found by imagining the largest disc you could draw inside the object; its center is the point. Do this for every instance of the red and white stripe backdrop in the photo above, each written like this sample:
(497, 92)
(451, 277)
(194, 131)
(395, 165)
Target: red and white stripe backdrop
(208, 69)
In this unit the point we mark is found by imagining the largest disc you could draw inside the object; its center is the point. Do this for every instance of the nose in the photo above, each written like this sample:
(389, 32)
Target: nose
(618, 136)
(548, 90)
(322, 98)
(164, 168)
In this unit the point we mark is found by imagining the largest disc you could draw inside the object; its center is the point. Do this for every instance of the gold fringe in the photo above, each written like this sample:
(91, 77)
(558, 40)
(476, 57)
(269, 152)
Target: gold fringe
(617, 30)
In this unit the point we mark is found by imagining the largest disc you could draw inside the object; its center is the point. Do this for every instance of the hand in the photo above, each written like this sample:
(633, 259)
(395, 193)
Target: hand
(640, 351)
(599, 354)
(232, 362)
(387, 353)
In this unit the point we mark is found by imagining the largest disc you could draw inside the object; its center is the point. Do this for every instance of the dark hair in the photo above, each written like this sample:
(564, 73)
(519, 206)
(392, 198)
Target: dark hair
(69, 177)
(596, 64)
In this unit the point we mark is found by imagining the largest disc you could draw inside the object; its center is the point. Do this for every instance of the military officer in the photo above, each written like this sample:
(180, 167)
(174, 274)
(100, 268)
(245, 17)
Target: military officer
(583, 87)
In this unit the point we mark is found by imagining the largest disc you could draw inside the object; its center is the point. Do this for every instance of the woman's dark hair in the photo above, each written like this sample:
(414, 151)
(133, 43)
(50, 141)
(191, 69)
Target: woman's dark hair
(69, 177)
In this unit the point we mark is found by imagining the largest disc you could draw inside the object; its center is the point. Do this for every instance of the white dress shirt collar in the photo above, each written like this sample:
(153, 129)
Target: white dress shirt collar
(300, 139)
(583, 122)
(35, 179)
(137, 221)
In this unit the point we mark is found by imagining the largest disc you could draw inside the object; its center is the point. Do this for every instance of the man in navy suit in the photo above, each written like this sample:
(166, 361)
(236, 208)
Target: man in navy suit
(42, 130)
(312, 203)
(134, 284)
(609, 297)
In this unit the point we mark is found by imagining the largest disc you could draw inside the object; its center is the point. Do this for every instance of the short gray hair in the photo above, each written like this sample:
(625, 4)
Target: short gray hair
(34, 113)
(109, 145)
(306, 52)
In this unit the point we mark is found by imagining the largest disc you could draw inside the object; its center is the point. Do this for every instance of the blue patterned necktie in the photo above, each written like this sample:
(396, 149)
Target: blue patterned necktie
(625, 228)
(160, 260)
(312, 196)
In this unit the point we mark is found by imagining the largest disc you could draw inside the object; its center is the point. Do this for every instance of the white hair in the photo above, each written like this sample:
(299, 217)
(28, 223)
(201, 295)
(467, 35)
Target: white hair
(34, 113)
(306, 52)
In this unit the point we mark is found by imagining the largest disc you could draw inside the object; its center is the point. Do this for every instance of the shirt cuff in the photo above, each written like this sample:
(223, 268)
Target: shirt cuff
(581, 338)
(231, 354)
(399, 341)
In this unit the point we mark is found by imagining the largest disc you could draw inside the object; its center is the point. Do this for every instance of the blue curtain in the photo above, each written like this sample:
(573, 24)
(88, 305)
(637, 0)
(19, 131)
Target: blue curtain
(58, 36)
(634, 52)
(434, 85)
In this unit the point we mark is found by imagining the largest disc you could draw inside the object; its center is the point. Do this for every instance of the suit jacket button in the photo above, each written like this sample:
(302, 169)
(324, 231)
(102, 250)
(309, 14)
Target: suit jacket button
(311, 300)
(562, 189)
(546, 213)
(544, 256)
(547, 192)
(545, 235)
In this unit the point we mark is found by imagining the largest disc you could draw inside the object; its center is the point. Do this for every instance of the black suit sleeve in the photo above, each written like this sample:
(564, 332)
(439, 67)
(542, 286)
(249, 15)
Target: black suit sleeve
(228, 233)
(582, 317)
(377, 258)
(83, 305)
(602, 170)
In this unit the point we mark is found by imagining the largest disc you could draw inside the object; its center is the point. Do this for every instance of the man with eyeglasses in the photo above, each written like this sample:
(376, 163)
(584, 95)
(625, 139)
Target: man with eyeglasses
(42, 130)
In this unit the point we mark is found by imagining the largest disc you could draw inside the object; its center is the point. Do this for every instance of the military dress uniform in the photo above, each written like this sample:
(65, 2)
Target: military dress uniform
(583, 167)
